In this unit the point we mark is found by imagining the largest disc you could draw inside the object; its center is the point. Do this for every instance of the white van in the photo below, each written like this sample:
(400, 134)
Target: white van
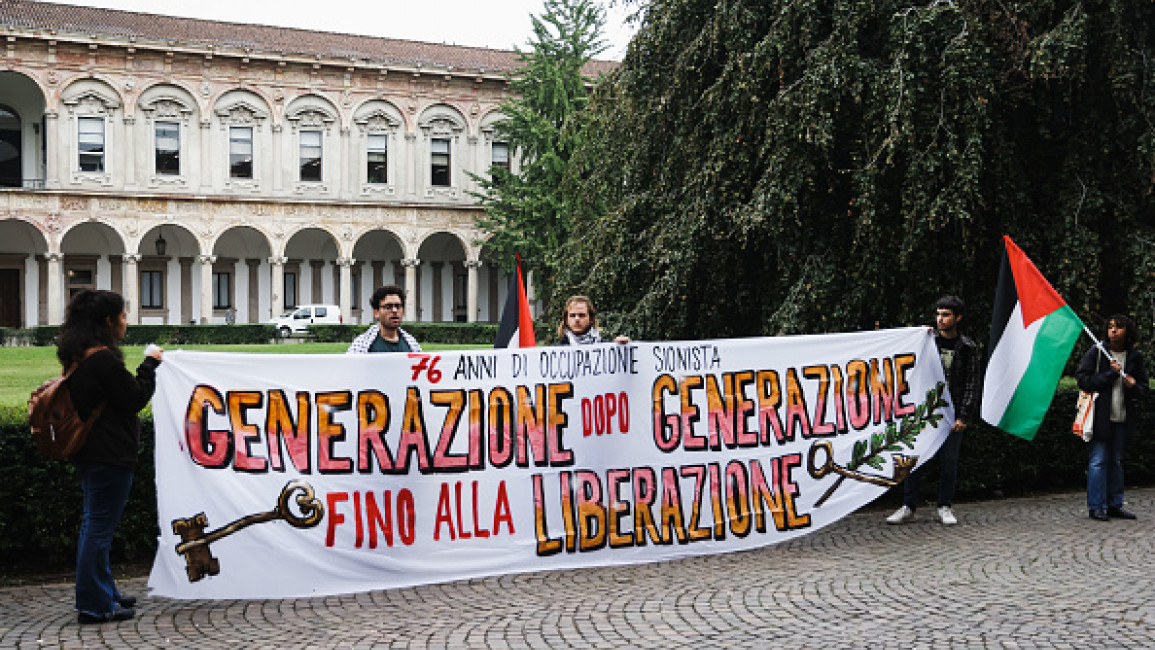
(297, 321)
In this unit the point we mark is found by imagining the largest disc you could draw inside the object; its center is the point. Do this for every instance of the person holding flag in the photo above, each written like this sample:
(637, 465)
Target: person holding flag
(1118, 376)
(961, 363)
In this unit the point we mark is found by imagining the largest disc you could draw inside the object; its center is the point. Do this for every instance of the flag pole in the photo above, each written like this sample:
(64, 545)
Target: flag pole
(1102, 348)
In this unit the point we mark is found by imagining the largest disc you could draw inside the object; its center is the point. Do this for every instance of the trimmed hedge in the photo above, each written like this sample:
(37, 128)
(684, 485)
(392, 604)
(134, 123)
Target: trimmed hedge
(164, 335)
(40, 499)
(40, 504)
(453, 333)
(160, 334)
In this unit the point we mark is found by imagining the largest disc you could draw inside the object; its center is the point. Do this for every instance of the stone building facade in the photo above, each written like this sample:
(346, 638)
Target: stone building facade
(218, 172)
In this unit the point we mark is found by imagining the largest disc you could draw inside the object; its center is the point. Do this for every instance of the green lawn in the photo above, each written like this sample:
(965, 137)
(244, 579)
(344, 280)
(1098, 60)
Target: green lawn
(22, 369)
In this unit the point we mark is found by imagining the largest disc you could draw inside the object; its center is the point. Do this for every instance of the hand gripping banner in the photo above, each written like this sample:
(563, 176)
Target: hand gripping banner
(303, 475)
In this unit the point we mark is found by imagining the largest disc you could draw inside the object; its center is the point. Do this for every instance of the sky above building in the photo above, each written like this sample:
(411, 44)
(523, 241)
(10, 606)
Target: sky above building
(498, 24)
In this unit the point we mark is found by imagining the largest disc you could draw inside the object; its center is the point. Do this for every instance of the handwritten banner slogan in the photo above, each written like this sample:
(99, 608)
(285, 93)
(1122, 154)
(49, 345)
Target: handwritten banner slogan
(304, 475)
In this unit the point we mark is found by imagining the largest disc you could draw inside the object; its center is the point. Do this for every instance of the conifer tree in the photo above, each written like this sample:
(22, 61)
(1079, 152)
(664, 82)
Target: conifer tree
(544, 122)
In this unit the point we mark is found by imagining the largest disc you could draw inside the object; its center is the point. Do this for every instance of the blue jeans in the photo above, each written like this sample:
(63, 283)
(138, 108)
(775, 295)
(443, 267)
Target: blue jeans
(1105, 470)
(106, 489)
(948, 474)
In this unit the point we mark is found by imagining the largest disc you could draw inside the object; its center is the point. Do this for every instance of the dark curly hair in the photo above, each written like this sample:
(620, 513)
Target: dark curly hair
(1128, 325)
(91, 316)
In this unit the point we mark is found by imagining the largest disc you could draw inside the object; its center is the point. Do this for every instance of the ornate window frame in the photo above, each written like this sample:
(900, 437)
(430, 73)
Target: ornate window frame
(241, 112)
(313, 116)
(381, 122)
(169, 108)
(442, 123)
(92, 104)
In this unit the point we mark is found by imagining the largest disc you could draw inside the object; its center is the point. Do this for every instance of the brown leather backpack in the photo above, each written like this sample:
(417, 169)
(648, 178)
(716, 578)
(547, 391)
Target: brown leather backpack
(57, 428)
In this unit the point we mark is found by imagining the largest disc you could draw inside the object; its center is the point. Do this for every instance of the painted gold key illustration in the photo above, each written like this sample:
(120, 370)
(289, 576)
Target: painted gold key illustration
(195, 542)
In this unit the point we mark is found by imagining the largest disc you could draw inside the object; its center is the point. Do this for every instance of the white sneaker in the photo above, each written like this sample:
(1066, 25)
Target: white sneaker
(946, 516)
(901, 516)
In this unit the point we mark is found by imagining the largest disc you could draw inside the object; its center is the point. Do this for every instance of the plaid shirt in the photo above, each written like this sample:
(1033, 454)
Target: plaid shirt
(966, 379)
(360, 345)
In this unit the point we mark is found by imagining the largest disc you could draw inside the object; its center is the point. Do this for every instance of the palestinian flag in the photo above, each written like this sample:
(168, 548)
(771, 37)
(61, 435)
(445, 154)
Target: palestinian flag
(516, 327)
(1032, 333)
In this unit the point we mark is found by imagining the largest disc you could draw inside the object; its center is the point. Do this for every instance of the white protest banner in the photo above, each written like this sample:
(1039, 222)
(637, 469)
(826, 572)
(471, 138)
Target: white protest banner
(305, 475)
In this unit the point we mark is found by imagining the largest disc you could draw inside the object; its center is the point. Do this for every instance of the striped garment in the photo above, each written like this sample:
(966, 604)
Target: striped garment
(360, 345)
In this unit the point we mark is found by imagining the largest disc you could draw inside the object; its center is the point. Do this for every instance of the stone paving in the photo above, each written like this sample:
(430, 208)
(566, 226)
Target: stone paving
(1017, 573)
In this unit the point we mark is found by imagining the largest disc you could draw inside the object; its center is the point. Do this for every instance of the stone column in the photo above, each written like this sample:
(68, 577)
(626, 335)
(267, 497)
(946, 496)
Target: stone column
(345, 300)
(414, 306)
(206, 262)
(130, 156)
(207, 157)
(278, 173)
(131, 279)
(438, 293)
(378, 276)
(277, 289)
(474, 144)
(186, 291)
(51, 150)
(317, 290)
(344, 182)
(56, 297)
(411, 165)
(254, 315)
(33, 280)
(471, 267)
(492, 272)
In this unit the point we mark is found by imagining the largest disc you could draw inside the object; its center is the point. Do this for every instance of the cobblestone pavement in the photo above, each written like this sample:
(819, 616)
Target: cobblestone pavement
(1017, 573)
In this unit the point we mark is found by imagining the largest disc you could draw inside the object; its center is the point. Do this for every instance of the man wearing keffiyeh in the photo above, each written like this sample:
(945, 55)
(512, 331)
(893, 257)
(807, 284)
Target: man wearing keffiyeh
(580, 324)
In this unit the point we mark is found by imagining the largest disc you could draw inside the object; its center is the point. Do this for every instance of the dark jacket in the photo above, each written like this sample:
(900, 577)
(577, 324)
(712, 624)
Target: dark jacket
(115, 437)
(1095, 376)
(966, 379)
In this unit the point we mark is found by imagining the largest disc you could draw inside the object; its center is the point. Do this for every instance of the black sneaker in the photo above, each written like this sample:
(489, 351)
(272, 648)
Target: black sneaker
(119, 614)
(1119, 513)
(1098, 515)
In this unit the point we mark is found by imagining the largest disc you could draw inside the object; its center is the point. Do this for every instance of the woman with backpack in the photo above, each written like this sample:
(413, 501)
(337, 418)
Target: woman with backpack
(102, 386)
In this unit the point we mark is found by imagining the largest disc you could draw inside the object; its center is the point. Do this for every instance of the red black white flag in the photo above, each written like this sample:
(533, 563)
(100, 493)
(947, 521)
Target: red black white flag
(516, 328)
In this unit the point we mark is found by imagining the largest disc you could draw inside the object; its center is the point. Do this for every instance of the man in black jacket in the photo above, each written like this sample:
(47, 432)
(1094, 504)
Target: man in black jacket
(963, 369)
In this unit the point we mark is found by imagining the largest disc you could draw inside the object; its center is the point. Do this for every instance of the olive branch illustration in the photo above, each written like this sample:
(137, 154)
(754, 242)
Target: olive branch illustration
(870, 452)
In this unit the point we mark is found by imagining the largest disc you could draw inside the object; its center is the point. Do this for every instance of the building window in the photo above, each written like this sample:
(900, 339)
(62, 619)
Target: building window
(11, 139)
(168, 148)
(80, 279)
(499, 155)
(90, 143)
(440, 162)
(378, 159)
(290, 289)
(152, 289)
(355, 288)
(222, 290)
(241, 152)
(310, 155)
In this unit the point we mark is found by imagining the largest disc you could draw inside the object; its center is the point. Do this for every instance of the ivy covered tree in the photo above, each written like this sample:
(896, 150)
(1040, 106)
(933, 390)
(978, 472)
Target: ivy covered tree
(788, 166)
(527, 212)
